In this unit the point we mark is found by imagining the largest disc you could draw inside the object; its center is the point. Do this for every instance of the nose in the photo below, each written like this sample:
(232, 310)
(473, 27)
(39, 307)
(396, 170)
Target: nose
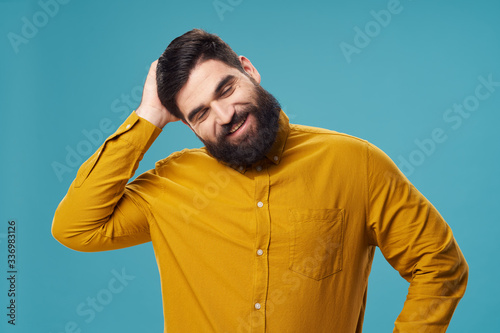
(223, 113)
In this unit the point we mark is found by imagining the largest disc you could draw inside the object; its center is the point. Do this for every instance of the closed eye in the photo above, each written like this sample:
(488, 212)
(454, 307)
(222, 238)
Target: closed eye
(201, 115)
(226, 91)
(224, 88)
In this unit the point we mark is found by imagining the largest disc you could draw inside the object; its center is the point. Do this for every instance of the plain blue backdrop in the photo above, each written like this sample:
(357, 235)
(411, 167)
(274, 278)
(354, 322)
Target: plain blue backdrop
(403, 75)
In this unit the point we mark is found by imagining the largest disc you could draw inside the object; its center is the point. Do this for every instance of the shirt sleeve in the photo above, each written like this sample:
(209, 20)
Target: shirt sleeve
(100, 212)
(418, 243)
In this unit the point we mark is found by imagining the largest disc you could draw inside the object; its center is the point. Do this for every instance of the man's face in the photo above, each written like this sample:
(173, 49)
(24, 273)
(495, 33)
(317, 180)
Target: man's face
(229, 111)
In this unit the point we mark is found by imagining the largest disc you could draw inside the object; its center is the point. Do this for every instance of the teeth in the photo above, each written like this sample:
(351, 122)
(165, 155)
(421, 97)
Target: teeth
(237, 127)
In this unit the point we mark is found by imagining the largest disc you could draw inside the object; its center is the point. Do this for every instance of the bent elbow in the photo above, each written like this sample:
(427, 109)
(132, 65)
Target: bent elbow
(61, 231)
(465, 272)
(461, 275)
(58, 232)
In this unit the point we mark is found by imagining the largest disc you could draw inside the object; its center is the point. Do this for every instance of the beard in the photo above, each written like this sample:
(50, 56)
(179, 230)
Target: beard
(257, 141)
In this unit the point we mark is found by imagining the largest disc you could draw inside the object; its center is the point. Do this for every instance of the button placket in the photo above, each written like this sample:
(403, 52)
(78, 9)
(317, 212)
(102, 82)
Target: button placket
(263, 227)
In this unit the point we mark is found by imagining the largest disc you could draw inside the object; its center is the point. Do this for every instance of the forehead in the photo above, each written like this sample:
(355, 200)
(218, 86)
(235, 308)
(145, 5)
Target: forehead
(202, 82)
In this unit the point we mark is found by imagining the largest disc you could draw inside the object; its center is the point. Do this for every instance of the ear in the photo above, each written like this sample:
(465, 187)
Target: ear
(250, 69)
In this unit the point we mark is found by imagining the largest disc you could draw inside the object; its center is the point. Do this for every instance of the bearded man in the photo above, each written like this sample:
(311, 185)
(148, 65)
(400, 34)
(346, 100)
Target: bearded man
(270, 227)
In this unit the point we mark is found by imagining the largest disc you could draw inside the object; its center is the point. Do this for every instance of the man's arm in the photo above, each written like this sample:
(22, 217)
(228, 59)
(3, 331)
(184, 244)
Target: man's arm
(100, 212)
(417, 242)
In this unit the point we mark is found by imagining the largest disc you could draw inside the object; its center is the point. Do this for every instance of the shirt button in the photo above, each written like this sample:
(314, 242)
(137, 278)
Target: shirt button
(260, 204)
(276, 158)
(128, 126)
(258, 168)
(241, 168)
(260, 252)
(257, 306)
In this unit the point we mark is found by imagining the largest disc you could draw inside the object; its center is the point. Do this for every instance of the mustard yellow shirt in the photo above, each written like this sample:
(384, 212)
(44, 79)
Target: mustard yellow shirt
(283, 246)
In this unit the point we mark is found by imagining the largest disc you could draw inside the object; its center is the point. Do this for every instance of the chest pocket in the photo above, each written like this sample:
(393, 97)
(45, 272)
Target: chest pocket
(316, 241)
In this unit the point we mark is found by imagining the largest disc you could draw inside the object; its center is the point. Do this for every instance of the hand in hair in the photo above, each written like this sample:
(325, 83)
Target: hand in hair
(151, 108)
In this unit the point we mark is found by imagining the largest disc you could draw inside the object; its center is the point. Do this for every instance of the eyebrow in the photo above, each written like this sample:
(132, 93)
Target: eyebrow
(220, 86)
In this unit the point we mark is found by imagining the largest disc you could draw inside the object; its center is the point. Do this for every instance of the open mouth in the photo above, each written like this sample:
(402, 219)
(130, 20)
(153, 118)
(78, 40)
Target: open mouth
(237, 126)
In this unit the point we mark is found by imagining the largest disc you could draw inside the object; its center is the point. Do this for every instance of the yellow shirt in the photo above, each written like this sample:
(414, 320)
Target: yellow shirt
(283, 246)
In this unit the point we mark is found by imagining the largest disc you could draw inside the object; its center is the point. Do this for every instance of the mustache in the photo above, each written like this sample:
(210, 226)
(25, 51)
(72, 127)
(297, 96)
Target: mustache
(237, 118)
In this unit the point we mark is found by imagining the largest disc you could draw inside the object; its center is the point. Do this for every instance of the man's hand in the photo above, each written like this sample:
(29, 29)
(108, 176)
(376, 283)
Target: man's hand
(151, 108)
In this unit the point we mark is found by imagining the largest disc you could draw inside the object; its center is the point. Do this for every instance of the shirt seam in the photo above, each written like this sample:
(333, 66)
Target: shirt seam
(179, 154)
(367, 201)
(320, 131)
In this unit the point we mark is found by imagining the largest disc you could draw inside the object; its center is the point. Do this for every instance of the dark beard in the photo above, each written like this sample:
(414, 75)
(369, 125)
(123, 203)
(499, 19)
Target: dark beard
(257, 142)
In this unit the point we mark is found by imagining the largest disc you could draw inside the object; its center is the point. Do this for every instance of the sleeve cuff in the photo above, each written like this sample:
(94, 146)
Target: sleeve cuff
(138, 132)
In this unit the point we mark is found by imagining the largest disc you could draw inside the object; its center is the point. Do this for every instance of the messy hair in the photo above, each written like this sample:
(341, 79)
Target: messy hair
(181, 56)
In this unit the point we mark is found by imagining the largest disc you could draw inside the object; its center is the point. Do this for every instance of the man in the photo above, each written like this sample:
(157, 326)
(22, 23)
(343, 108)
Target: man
(270, 227)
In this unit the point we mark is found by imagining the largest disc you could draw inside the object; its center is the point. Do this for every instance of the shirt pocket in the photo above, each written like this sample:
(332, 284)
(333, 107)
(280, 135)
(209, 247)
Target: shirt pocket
(316, 241)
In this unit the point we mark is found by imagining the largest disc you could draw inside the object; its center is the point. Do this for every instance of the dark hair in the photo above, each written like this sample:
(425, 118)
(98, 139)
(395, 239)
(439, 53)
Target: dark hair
(181, 56)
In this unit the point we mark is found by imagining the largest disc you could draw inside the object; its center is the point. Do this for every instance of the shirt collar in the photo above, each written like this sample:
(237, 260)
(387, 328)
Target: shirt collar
(276, 151)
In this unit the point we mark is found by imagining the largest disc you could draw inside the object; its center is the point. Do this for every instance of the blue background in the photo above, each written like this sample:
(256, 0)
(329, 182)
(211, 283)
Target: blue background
(87, 61)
